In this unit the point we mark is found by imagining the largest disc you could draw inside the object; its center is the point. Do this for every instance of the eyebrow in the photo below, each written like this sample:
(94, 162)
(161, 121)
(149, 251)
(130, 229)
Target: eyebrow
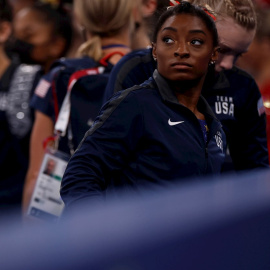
(229, 49)
(169, 28)
(191, 31)
(225, 47)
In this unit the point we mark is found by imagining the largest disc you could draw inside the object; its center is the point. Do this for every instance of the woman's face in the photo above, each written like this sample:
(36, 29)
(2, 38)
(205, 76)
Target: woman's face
(184, 48)
(29, 28)
(234, 40)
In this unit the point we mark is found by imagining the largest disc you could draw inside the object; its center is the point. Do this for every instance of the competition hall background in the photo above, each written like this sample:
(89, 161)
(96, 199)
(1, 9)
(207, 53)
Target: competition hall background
(211, 224)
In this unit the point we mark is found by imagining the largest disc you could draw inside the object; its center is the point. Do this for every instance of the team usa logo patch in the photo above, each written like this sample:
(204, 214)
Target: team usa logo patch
(224, 105)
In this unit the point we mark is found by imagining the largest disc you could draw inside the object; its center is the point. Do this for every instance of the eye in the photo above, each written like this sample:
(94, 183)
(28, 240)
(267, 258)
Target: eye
(224, 50)
(167, 40)
(196, 42)
(237, 56)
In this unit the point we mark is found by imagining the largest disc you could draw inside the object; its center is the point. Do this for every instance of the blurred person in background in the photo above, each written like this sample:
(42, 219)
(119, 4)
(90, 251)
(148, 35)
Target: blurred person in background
(12, 161)
(150, 10)
(235, 97)
(42, 34)
(137, 66)
(108, 28)
(77, 36)
(36, 37)
(17, 5)
(257, 61)
(232, 93)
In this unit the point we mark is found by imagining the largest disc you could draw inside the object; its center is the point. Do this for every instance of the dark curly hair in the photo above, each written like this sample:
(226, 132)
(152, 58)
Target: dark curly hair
(5, 11)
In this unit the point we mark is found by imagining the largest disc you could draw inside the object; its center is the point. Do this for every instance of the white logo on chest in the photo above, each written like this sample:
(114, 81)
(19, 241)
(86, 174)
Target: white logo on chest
(224, 105)
(174, 123)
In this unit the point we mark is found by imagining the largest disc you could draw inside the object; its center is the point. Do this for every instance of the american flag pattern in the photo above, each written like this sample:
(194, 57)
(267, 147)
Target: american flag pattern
(42, 88)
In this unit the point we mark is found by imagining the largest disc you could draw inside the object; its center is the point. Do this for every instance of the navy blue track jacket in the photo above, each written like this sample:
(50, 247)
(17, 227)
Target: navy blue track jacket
(143, 137)
(233, 96)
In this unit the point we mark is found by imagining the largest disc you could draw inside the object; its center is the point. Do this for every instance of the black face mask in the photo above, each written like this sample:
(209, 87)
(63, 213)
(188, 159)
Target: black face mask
(21, 50)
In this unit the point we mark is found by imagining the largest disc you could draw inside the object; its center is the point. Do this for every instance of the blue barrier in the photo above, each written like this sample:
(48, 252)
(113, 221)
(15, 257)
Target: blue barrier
(219, 224)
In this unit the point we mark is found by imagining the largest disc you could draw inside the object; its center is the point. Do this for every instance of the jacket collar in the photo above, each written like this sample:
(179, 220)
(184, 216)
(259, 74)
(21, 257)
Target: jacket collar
(215, 81)
(168, 95)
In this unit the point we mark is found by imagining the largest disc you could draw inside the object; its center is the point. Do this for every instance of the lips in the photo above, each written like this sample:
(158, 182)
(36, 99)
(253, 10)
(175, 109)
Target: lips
(180, 64)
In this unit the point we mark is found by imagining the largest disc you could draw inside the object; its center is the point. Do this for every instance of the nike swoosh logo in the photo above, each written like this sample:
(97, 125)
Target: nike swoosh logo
(174, 123)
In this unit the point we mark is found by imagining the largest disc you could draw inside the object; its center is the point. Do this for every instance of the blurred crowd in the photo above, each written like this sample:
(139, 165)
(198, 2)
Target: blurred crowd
(48, 39)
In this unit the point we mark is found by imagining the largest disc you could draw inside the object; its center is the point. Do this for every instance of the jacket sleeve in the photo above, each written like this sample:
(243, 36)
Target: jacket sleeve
(248, 141)
(42, 99)
(106, 148)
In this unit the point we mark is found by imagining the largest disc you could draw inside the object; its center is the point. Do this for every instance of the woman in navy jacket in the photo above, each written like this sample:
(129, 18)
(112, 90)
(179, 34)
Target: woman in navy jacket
(162, 131)
(231, 92)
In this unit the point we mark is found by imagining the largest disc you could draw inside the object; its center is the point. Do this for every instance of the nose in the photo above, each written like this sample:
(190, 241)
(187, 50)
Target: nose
(182, 50)
(225, 62)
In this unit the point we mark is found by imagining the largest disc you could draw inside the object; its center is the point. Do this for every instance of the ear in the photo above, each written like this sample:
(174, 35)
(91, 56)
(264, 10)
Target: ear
(154, 49)
(215, 53)
(5, 31)
(148, 7)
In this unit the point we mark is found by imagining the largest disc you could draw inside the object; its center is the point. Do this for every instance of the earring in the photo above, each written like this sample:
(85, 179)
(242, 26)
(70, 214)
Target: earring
(155, 59)
(212, 62)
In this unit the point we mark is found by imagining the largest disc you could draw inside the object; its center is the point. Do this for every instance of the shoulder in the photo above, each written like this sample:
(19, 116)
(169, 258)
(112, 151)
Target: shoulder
(142, 54)
(133, 68)
(80, 62)
(7, 76)
(239, 75)
(135, 58)
(28, 69)
(126, 104)
(138, 92)
(27, 76)
(236, 83)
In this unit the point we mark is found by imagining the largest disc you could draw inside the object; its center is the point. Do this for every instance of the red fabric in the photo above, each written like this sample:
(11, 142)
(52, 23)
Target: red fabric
(265, 91)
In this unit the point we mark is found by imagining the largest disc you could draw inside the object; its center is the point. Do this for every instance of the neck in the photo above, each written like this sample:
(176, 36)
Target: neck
(140, 38)
(188, 95)
(4, 60)
(76, 43)
(46, 67)
(188, 99)
(106, 42)
(123, 40)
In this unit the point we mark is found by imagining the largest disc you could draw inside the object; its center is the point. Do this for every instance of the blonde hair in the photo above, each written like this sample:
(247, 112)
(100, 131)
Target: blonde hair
(242, 11)
(102, 18)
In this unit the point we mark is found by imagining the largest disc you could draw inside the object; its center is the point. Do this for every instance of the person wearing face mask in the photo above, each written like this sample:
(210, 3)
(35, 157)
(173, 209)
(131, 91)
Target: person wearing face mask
(232, 93)
(108, 36)
(41, 34)
(29, 43)
(16, 83)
